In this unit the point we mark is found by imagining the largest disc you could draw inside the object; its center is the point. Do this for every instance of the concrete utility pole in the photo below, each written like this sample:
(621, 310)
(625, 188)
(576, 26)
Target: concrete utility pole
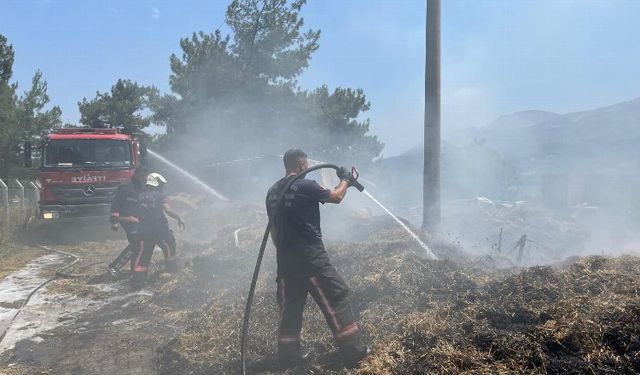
(431, 177)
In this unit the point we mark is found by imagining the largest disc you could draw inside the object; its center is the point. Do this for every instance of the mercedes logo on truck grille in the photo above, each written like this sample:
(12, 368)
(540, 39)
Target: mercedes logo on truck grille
(89, 190)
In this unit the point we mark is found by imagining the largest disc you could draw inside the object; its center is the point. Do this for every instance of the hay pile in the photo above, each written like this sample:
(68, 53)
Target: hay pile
(429, 317)
(582, 318)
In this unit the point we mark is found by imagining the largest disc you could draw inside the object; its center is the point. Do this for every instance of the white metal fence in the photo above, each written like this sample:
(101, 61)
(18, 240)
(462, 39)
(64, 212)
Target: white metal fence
(19, 196)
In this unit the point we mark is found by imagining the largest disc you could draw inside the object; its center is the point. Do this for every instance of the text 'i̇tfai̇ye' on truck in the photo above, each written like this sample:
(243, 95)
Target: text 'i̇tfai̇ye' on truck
(81, 169)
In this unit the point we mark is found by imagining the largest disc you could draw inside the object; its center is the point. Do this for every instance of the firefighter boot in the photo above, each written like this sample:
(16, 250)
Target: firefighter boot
(113, 272)
(292, 354)
(353, 351)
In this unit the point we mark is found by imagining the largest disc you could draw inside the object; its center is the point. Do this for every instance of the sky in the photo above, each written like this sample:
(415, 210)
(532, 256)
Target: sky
(498, 56)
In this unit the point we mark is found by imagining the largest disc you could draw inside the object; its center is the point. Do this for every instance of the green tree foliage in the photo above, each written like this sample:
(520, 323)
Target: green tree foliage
(22, 118)
(126, 107)
(267, 39)
(343, 137)
(6, 59)
(237, 95)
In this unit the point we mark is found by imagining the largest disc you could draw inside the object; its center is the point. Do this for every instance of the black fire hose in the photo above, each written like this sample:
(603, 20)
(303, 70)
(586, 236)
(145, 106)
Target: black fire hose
(265, 237)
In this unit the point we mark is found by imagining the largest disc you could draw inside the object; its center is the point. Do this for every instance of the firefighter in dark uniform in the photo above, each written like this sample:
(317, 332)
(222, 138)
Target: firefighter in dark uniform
(124, 212)
(153, 229)
(167, 241)
(304, 265)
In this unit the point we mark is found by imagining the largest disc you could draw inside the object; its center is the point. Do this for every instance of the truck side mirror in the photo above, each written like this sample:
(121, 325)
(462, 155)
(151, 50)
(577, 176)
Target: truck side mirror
(27, 155)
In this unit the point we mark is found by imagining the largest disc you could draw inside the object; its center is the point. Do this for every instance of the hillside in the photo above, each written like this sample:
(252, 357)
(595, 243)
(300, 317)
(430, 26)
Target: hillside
(542, 141)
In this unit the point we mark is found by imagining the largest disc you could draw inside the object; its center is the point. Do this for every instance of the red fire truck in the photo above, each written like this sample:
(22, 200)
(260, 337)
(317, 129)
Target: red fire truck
(82, 168)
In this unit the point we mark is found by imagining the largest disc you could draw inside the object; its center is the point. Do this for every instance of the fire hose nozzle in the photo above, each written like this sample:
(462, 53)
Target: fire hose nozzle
(354, 182)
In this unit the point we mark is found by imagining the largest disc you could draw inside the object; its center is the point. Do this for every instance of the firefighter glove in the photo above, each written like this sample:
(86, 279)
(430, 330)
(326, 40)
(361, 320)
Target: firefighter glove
(344, 174)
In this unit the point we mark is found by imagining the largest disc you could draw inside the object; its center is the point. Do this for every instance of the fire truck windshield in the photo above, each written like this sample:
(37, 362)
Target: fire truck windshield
(87, 153)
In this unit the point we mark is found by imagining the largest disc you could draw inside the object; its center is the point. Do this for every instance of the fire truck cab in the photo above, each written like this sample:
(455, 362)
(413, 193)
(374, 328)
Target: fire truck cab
(81, 168)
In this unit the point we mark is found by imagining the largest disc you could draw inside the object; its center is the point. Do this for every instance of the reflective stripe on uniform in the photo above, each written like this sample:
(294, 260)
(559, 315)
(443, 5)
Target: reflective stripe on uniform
(324, 304)
(347, 331)
(285, 339)
(282, 300)
(136, 266)
(131, 219)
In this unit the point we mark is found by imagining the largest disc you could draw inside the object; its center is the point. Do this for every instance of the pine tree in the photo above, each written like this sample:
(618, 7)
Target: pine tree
(22, 118)
(237, 95)
(126, 107)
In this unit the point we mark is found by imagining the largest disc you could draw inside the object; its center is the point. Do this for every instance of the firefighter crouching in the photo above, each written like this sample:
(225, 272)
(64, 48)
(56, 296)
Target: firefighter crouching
(304, 265)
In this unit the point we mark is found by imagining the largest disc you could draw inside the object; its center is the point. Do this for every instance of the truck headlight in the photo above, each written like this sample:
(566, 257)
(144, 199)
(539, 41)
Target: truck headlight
(51, 215)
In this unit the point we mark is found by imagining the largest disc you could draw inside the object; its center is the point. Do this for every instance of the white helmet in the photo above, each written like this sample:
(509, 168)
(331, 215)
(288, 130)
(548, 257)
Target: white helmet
(156, 179)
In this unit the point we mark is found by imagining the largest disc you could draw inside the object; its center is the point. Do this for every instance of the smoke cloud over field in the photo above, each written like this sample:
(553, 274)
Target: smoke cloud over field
(564, 180)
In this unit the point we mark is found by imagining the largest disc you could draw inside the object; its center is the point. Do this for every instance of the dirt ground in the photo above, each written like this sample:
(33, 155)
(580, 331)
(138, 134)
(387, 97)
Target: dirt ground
(461, 314)
(118, 337)
(106, 328)
(15, 256)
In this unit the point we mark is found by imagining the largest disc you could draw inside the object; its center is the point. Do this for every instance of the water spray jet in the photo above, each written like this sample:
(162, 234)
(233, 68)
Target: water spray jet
(191, 177)
(404, 226)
